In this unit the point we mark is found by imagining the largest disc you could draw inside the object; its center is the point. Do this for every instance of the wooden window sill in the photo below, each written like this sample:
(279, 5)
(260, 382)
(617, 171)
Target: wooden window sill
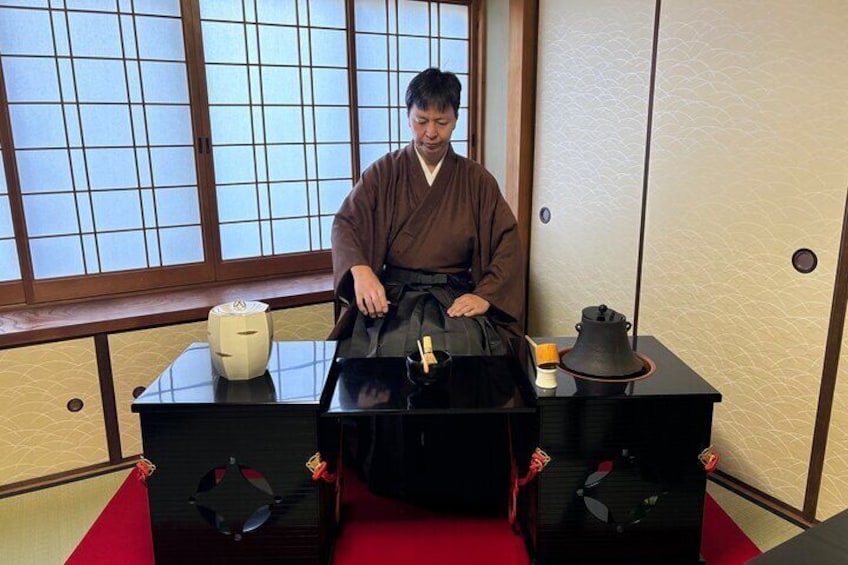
(24, 325)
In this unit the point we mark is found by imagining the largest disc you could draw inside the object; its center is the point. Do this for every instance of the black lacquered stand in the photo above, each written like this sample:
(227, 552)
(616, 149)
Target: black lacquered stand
(625, 484)
(231, 485)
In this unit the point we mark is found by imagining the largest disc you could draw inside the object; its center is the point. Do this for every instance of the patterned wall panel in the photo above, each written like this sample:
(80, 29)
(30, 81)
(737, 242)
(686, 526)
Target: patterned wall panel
(38, 434)
(833, 497)
(138, 357)
(592, 99)
(748, 164)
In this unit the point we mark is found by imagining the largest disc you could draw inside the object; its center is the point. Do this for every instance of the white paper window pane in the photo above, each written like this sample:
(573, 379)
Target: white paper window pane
(276, 11)
(117, 210)
(330, 86)
(133, 74)
(84, 212)
(181, 245)
(9, 267)
(160, 7)
(371, 51)
(153, 257)
(461, 131)
(89, 251)
(370, 152)
(370, 15)
(173, 166)
(177, 206)
(106, 125)
(460, 148)
(41, 171)
(221, 10)
(239, 240)
(72, 121)
(56, 257)
(148, 208)
(121, 251)
(164, 82)
(160, 38)
(230, 124)
(100, 80)
(284, 124)
(261, 163)
(453, 21)
(30, 80)
(334, 161)
(6, 228)
(26, 3)
(262, 201)
(454, 55)
(281, 85)
(373, 124)
(332, 124)
(79, 169)
(37, 126)
(327, 13)
(291, 236)
(400, 124)
(237, 203)
(48, 214)
(278, 45)
(332, 193)
(25, 32)
(286, 162)
(326, 226)
(288, 199)
(414, 53)
(463, 96)
(234, 164)
(111, 168)
(95, 35)
(84, 4)
(128, 36)
(223, 42)
(413, 17)
(227, 84)
(373, 89)
(169, 125)
(143, 158)
(329, 48)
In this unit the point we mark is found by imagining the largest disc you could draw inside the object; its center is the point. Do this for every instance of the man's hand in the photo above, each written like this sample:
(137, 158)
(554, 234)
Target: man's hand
(369, 291)
(468, 305)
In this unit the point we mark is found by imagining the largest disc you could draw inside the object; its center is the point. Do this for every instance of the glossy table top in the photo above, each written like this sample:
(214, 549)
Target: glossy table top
(297, 372)
(474, 385)
(672, 377)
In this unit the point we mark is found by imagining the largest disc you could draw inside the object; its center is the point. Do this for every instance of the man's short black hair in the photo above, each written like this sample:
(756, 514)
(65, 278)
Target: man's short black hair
(434, 88)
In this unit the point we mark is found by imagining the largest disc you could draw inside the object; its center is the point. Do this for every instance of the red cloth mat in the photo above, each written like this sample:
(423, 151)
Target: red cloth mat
(121, 534)
(722, 542)
(410, 535)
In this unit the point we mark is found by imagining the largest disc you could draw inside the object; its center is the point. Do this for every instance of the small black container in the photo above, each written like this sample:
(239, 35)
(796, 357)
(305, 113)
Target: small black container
(438, 372)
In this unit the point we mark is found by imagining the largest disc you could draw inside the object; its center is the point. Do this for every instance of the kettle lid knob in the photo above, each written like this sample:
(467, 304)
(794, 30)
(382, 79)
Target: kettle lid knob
(602, 310)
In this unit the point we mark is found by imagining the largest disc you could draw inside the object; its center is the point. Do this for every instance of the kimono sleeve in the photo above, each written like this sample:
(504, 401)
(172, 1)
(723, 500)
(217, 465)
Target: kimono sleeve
(353, 237)
(502, 263)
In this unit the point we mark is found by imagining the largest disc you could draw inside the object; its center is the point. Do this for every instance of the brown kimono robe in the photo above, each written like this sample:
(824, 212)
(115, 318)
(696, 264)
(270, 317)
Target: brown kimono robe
(460, 224)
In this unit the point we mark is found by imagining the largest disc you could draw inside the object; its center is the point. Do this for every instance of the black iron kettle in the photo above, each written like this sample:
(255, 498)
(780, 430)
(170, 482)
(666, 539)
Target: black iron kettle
(602, 348)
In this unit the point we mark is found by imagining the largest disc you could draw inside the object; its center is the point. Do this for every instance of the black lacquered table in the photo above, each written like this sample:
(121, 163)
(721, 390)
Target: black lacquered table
(625, 483)
(231, 485)
(448, 445)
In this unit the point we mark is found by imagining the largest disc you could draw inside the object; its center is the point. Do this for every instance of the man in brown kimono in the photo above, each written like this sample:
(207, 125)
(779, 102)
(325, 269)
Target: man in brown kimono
(425, 244)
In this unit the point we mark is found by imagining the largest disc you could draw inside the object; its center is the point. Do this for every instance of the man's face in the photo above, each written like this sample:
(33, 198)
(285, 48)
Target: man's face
(432, 130)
